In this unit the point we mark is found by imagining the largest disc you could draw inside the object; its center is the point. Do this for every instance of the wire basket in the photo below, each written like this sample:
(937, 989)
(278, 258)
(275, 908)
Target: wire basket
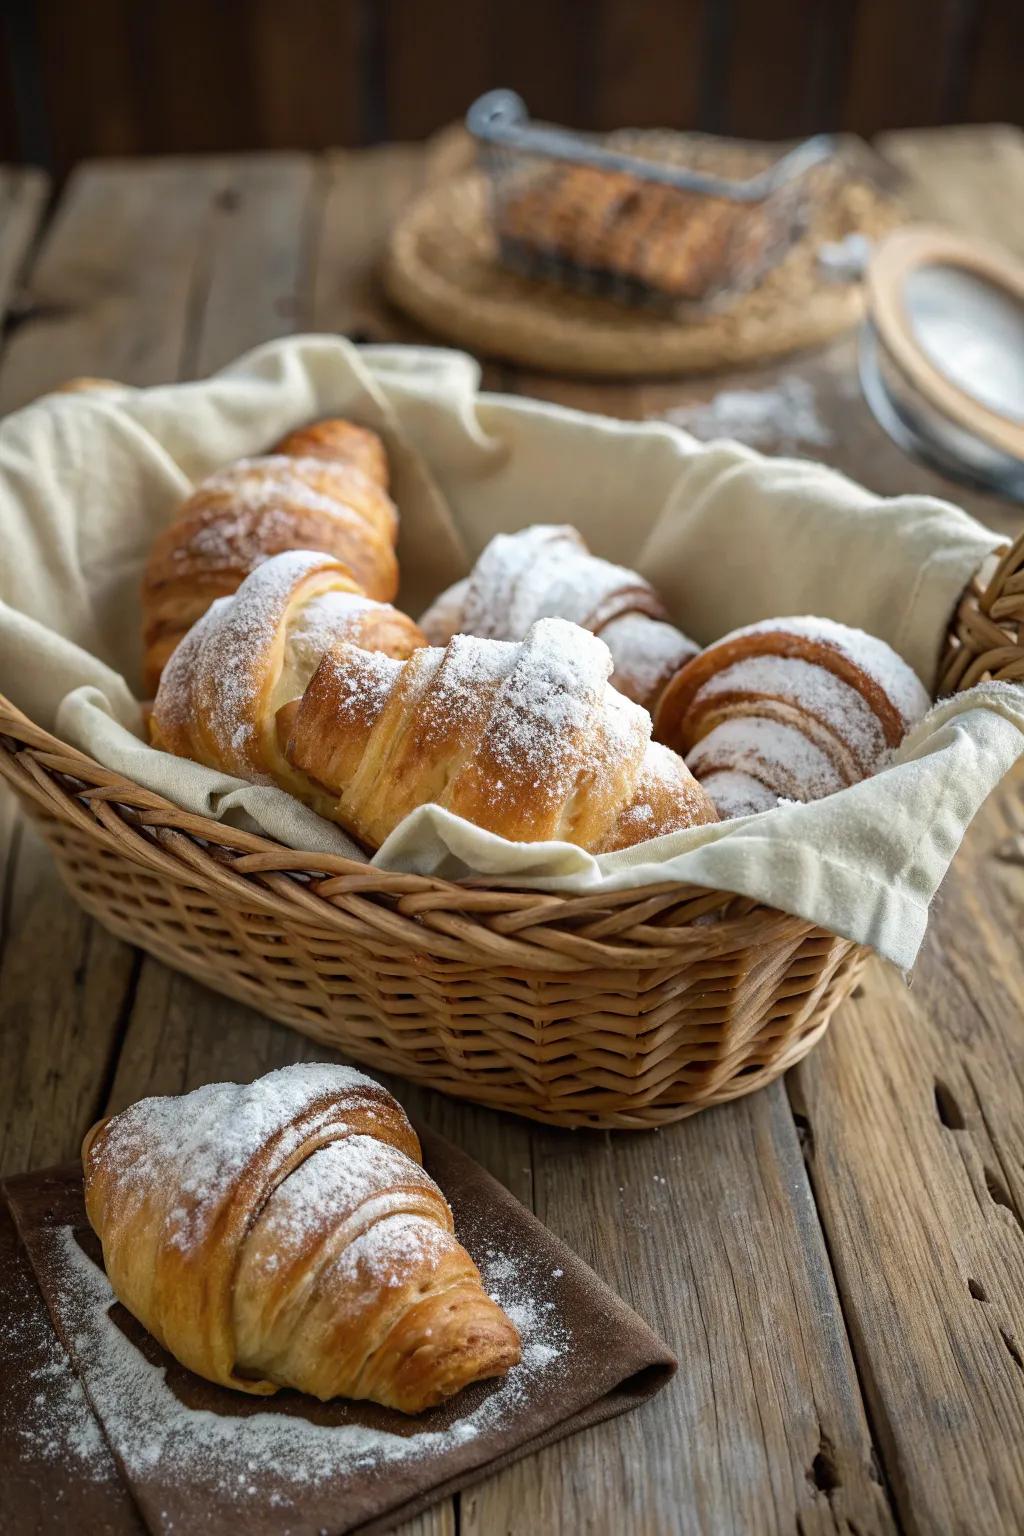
(677, 222)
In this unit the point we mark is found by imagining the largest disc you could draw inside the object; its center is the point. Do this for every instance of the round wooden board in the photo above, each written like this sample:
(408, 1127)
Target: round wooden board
(443, 270)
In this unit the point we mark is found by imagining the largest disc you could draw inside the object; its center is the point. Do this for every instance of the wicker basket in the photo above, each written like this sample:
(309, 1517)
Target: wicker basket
(628, 1010)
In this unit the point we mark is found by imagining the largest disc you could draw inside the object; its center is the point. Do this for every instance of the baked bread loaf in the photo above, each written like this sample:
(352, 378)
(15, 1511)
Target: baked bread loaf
(524, 738)
(284, 1233)
(322, 488)
(252, 653)
(637, 239)
(547, 571)
(789, 709)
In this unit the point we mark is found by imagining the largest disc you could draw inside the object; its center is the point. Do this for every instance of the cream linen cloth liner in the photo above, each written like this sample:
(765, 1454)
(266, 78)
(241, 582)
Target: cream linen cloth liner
(728, 537)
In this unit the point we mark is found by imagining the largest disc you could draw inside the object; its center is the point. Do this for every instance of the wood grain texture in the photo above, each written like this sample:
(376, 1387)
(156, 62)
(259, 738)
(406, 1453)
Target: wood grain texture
(64, 988)
(708, 1229)
(23, 196)
(360, 195)
(961, 176)
(901, 1322)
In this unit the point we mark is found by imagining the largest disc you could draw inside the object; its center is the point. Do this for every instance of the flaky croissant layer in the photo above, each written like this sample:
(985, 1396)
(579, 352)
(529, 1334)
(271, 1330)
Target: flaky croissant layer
(526, 739)
(323, 487)
(285, 1233)
(547, 571)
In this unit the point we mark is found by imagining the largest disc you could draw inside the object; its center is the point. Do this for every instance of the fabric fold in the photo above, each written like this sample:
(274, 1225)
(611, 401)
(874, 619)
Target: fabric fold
(727, 536)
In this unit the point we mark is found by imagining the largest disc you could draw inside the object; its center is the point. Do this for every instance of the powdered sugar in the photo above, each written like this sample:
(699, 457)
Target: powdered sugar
(646, 652)
(261, 484)
(230, 1456)
(873, 656)
(219, 660)
(542, 731)
(779, 756)
(543, 571)
(332, 1184)
(783, 417)
(738, 794)
(58, 1426)
(361, 683)
(202, 1141)
(321, 623)
(811, 688)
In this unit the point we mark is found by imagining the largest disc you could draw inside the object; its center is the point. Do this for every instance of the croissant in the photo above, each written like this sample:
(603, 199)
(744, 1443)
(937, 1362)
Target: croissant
(790, 708)
(339, 440)
(284, 1233)
(256, 508)
(524, 738)
(547, 571)
(250, 654)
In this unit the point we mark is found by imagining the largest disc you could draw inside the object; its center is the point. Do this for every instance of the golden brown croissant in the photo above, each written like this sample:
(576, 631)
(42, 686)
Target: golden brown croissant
(525, 738)
(284, 1233)
(791, 708)
(260, 507)
(547, 571)
(339, 440)
(250, 654)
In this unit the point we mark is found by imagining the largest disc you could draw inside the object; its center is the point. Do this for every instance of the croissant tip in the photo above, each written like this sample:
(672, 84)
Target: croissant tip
(90, 1137)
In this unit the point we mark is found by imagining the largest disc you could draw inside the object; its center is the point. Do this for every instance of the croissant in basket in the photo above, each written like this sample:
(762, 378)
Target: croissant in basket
(323, 487)
(524, 738)
(547, 571)
(792, 709)
(252, 653)
(284, 1233)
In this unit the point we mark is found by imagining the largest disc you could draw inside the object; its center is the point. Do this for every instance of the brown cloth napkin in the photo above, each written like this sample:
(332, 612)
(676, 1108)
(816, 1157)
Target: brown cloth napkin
(56, 1470)
(199, 1457)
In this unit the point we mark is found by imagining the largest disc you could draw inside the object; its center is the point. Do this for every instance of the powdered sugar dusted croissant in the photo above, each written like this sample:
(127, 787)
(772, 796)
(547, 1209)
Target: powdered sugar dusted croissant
(790, 708)
(252, 653)
(284, 1233)
(339, 441)
(525, 738)
(547, 571)
(323, 488)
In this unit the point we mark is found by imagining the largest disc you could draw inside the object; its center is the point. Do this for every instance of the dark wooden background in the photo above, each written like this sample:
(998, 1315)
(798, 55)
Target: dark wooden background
(127, 77)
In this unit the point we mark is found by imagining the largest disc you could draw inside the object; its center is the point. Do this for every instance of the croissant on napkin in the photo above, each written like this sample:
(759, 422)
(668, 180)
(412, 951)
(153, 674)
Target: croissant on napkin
(284, 1233)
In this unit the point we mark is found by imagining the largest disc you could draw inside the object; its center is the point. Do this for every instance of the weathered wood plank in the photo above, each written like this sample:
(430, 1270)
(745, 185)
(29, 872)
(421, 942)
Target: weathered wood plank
(109, 294)
(361, 194)
(709, 1230)
(969, 177)
(23, 194)
(256, 280)
(64, 984)
(917, 1175)
(250, 283)
(912, 1107)
(110, 289)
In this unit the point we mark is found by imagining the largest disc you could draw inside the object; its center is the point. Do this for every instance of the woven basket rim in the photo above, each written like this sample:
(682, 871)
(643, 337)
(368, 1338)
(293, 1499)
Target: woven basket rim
(112, 795)
(985, 639)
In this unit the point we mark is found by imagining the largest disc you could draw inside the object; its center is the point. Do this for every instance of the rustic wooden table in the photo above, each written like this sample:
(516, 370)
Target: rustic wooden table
(839, 1259)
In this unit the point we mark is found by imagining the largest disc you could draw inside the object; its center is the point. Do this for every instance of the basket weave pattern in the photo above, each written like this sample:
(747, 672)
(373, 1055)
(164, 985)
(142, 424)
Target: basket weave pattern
(628, 1010)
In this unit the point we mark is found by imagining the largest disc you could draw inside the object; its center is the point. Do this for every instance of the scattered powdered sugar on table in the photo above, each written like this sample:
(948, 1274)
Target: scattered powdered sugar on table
(782, 416)
(231, 1456)
(58, 1425)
